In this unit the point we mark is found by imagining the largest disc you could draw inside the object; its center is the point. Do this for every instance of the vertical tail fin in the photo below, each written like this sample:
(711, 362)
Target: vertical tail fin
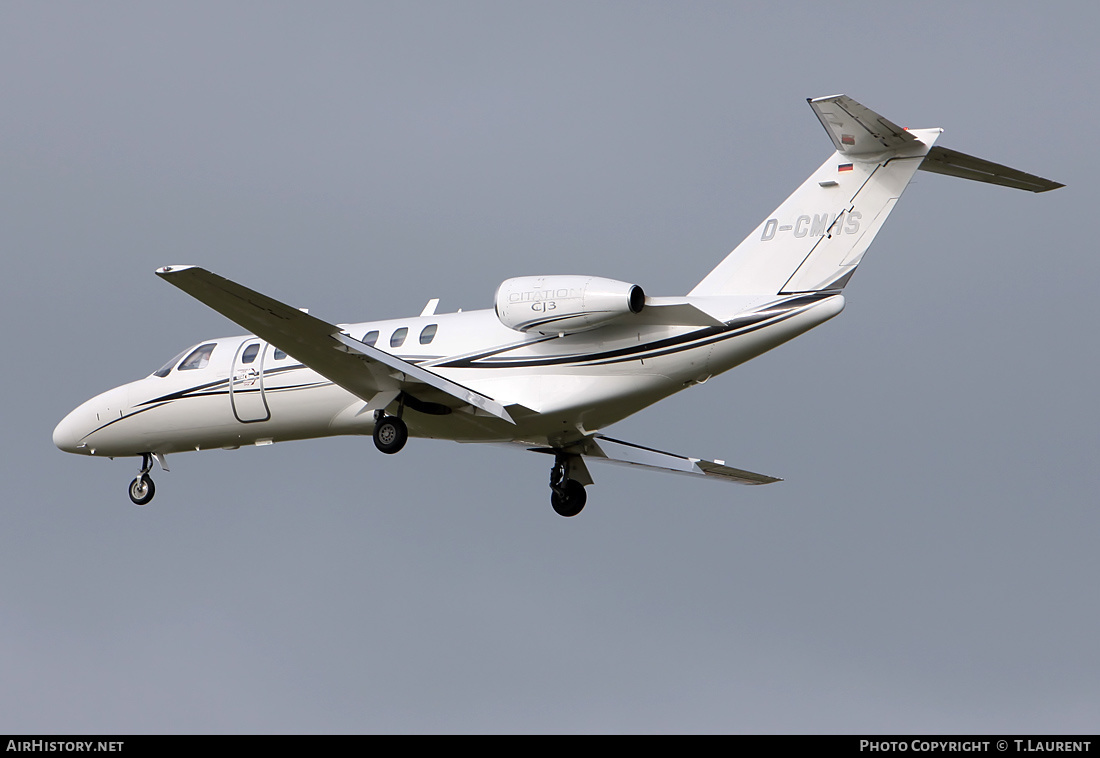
(817, 237)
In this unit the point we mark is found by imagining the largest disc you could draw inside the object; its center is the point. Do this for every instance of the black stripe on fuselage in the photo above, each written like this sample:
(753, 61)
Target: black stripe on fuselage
(221, 387)
(772, 314)
(208, 390)
(120, 418)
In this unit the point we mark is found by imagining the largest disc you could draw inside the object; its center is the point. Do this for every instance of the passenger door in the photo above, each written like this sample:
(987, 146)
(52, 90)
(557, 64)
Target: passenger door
(246, 383)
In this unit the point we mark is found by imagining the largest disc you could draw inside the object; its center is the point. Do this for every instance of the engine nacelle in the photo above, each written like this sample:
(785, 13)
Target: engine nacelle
(565, 304)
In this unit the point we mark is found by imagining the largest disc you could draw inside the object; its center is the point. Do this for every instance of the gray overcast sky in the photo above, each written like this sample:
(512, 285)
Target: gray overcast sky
(930, 562)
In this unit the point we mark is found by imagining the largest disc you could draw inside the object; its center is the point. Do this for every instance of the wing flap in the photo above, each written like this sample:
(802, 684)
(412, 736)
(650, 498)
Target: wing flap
(361, 369)
(416, 373)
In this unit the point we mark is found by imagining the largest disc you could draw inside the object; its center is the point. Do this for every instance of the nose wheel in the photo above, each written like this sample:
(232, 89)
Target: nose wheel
(142, 489)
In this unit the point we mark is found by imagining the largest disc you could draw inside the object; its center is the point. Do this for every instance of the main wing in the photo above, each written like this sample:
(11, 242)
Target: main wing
(599, 447)
(363, 370)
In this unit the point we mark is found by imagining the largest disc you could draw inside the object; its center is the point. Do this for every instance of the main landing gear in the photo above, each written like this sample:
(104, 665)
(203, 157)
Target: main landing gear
(567, 495)
(142, 489)
(390, 432)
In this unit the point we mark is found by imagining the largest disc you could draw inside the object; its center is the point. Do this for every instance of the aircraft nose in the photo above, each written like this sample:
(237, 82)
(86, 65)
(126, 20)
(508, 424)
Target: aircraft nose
(79, 431)
(67, 434)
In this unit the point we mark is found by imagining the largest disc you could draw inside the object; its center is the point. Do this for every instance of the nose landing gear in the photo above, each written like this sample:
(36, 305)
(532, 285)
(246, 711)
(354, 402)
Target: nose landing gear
(142, 489)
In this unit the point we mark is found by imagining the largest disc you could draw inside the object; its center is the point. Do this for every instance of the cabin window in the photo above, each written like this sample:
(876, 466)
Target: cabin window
(279, 354)
(167, 367)
(250, 353)
(199, 357)
(370, 337)
(398, 338)
(428, 333)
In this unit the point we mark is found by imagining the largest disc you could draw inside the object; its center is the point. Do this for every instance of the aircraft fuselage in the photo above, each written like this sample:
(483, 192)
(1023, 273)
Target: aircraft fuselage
(575, 383)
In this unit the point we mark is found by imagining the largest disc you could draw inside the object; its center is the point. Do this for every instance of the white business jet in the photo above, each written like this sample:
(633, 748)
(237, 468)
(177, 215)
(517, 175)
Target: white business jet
(557, 360)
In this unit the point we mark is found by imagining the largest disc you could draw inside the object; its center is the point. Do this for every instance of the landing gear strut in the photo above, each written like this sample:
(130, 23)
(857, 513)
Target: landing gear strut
(142, 489)
(567, 495)
(390, 432)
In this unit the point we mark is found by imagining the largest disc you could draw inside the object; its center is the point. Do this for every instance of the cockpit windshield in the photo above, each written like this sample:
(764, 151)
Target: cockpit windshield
(166, 369)
(197, 358)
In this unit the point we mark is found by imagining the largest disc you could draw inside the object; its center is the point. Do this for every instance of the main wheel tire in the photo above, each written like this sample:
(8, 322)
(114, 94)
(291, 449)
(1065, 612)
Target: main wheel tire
(390, 434)
(571, 501)
(142, 490)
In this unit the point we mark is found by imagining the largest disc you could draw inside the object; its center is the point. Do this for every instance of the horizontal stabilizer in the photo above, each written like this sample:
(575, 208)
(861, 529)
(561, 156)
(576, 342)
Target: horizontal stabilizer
(940, 160)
